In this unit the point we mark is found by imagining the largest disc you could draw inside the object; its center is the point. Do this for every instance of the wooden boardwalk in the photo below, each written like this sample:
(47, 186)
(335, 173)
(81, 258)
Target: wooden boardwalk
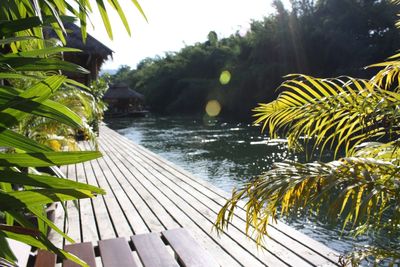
(146, 193)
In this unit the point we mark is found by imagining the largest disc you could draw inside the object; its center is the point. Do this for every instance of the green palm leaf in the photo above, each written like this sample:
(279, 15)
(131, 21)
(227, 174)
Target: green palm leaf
(46, 159)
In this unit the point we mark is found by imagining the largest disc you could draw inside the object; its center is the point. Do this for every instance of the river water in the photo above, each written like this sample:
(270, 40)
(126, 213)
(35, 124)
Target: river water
(225, 154)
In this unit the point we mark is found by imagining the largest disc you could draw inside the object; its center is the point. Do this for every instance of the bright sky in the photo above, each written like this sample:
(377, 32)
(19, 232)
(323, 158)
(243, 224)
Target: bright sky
(173, 24)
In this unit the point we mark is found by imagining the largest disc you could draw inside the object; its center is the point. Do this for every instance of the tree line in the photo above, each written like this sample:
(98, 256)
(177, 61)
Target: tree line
(323, 38)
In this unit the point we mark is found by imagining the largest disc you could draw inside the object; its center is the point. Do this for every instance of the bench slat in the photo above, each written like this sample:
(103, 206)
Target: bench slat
(45, 258)
(152, 251)
(116, 252)
(188, 251)
(84, 251)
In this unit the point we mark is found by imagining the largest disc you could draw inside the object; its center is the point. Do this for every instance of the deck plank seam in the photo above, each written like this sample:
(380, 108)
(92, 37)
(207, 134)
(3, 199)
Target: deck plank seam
(138, 180)
(199, 227)
(140, 196)
(145, 152)
(243, 232)
(92, 205)
(99, 206)
(116, 199)
(79, 207)
(241, 208)
(238, 228)
(234, 226)
(202, 215)
(130, 200)
(105, 204)
(174, 167)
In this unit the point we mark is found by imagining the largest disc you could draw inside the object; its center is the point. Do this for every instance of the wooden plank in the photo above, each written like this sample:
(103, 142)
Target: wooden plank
(192, 220)
(239, 246)
(104, 225)
(88, 223)
(203, 206)
(315, 251)
(153, 214)
(312, 251)
(84, 251)
(73, 226)
(188, 251)
(152, 251)
(45, 258)
(279, 244)
(141, 181)
(120, 191)
(116, 253)
(116, 214)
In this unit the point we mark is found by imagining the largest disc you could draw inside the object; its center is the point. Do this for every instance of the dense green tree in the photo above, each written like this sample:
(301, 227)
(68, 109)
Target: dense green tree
(319, 38)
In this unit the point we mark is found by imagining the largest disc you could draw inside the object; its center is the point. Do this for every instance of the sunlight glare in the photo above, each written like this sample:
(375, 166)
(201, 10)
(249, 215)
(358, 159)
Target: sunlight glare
(213, 108)
(225, 77)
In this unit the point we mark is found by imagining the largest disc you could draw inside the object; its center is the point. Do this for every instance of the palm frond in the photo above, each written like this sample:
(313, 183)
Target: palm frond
(355, 192)
(341, 112)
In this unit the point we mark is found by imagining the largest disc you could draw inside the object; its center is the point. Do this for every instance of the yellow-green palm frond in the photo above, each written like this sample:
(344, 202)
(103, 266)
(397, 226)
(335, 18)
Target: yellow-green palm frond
(388, 78)
(332, 113)
(356, 192)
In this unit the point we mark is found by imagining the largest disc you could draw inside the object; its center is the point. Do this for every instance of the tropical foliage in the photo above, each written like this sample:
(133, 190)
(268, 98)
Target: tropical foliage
(319, 38)
(32, 90)
(358, 119)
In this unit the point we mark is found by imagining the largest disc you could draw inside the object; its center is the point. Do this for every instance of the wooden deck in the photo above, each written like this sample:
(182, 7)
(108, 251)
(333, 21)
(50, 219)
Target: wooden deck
(146, 193)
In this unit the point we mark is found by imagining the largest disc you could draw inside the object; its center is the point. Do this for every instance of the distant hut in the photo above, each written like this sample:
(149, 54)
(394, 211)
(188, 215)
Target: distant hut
(93, 54)
(123, 101)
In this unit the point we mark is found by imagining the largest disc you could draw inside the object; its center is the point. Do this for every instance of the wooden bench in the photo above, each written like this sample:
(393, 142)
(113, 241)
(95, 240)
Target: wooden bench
(151, 249)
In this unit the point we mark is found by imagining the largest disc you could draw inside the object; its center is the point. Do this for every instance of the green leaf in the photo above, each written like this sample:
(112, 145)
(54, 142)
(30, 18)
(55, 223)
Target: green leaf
(117, 7)
(40, 242)
(17, 39)
(42, 52)
(40, 64)
(45, 181)
(5, 251)
(38, 212)
(12, 139)
(38, 92)
(136, 3)
(23, 199)
(9, 27)
(46, 159)
(104, 16)
(47, 108)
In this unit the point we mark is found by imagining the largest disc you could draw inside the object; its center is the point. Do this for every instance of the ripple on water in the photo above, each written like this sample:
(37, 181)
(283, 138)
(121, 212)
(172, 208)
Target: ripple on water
(227, 155)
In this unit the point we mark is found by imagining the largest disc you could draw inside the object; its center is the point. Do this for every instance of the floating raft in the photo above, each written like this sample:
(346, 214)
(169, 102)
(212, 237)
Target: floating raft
(146, 193)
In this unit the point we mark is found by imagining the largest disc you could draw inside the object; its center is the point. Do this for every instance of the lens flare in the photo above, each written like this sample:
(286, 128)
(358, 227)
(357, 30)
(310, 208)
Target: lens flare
(225, 77)
(213, 108)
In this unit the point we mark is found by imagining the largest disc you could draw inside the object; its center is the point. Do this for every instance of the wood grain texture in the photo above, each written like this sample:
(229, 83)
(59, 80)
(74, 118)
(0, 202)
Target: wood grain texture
(152, 251)
(84, 251)
(45, 258)
(188, 251)
(116, 253)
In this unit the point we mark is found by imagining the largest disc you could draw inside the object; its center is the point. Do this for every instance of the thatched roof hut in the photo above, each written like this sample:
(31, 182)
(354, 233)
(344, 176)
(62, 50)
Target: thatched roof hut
(93, 54)
(123, 100)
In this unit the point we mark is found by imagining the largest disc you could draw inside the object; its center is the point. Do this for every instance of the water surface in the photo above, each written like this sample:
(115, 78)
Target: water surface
(225, 154)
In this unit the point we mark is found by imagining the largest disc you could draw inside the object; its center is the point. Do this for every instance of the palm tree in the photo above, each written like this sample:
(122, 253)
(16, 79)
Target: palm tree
(29, 77)
(359, 120)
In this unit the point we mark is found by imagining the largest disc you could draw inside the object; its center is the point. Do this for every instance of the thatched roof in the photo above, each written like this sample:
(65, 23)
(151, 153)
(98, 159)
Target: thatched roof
(74, 39)
(121, 91)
